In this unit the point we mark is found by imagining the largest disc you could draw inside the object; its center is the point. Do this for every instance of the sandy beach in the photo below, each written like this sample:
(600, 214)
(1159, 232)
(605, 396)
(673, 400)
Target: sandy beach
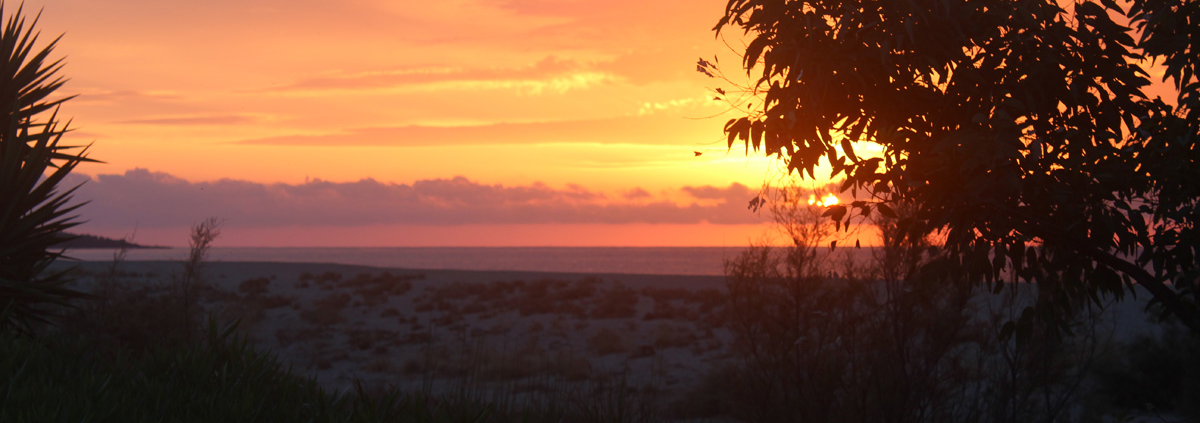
(506, 337)
(443, 329)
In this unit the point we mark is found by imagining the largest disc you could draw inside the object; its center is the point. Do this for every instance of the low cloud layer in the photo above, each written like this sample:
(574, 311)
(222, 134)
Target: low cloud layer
(141, 198)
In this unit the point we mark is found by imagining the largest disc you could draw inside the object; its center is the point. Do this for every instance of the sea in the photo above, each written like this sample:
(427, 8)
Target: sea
(707, 261)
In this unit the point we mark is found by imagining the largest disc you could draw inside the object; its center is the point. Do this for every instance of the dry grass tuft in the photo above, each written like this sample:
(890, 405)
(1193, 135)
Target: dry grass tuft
(328, 310)
(606, 341)
(254, 286)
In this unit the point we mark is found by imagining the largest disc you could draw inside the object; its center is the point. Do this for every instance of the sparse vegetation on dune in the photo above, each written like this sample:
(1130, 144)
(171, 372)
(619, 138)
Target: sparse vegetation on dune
(219, 379)
(811, 340)
(858, 346)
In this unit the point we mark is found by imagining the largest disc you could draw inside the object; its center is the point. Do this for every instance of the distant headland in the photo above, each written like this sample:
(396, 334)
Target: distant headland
(83, 241)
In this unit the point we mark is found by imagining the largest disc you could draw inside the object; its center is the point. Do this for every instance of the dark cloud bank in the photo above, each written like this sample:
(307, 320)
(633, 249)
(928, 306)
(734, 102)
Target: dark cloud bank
(141, 198)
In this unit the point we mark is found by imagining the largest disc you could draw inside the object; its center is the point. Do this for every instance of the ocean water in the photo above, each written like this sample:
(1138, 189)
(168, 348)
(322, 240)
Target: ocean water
(628, 260)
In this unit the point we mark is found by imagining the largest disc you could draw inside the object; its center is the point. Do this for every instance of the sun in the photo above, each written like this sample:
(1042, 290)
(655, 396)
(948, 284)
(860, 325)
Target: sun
(826, 201)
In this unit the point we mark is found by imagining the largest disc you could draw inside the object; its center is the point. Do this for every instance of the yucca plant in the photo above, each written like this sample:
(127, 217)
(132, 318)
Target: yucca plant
(34, 211)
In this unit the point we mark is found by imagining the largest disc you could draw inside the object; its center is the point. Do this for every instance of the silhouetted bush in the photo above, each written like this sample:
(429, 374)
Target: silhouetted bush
(327, 310)
(617, 302)
(606, 341)
(821, 340)
(254, 286)
(1153, 375)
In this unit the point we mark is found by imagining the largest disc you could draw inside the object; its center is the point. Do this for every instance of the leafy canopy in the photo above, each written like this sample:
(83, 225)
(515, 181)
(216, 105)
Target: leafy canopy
(1021, 129)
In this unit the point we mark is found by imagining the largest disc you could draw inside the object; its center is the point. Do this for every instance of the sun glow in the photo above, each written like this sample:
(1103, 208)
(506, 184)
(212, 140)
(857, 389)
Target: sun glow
(622, 117)
(826, 201)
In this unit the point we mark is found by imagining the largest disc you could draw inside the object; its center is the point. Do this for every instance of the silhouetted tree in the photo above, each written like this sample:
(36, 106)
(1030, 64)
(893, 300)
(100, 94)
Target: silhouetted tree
(33, 211)
(1019, 129)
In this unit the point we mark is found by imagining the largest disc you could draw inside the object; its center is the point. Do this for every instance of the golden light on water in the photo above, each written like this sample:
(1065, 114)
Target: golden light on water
(826, 201)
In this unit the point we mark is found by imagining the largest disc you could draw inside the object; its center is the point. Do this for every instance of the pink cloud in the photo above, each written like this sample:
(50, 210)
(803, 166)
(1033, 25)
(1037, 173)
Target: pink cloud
(636, 194)
(141, 198)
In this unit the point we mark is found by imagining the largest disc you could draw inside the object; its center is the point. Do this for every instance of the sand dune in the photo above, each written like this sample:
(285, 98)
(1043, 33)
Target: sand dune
(415, 328)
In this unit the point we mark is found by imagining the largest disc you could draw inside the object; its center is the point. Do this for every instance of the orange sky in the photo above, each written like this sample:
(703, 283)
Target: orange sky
(593, 95)
(454, 122)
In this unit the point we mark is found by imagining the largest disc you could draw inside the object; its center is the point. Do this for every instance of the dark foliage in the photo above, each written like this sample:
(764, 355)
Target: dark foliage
(1019, 129)
(34, 211)
(884, 341)
(1153, 374)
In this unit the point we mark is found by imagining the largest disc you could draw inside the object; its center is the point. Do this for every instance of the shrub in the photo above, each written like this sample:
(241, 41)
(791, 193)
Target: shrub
(668, 335)
(606, 341)
(268, 302)
(367, 339)
(288, 336)
(255, 286)
(474, 307)
(578, 290)
(1153, 374)
(132, 319)
(327, 277)
(618, 302)
(813, 345)
(328, 310)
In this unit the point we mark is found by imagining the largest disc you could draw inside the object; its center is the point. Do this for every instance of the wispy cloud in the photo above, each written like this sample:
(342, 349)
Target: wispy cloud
(689, 103)
(551, 74)
(115, 96)
(224, 119)
(605, 131)
(151, 199)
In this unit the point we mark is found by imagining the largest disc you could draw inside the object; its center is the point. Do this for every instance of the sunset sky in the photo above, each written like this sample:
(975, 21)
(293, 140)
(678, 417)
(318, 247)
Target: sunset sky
(372, 122)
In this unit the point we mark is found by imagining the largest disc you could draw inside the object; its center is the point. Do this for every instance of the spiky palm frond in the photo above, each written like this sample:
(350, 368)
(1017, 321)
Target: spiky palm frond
(34, 211)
